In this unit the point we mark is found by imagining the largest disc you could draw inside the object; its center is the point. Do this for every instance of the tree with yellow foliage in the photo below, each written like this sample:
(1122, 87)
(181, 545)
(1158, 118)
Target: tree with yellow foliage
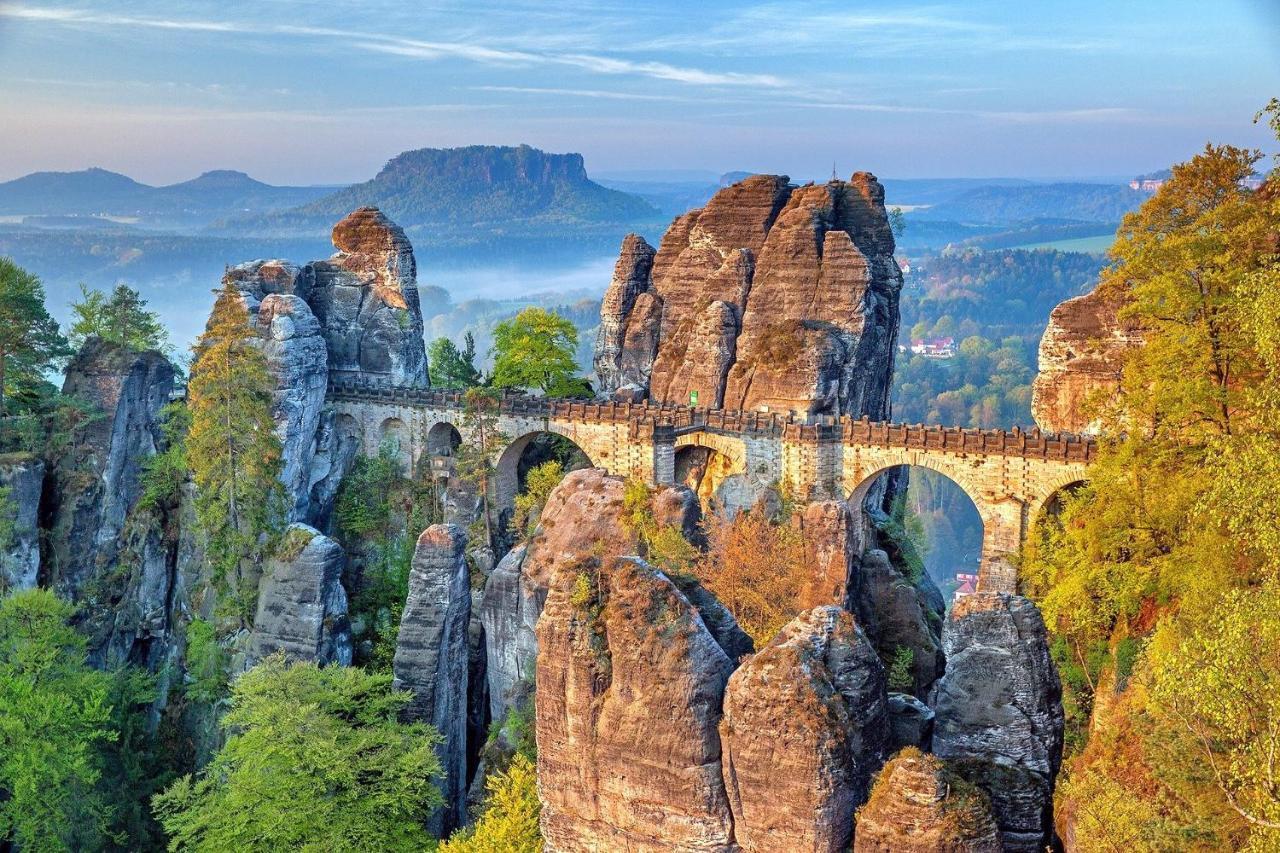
(232, 447)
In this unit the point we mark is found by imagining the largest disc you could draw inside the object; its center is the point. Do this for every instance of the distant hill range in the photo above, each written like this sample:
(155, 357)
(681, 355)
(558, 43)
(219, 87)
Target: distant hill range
(448, 192)
(1001, 205)
(100, 193)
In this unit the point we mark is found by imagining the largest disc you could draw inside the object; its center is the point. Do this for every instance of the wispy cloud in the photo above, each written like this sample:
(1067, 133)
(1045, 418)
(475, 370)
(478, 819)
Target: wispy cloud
(605, 94)
(408, 47)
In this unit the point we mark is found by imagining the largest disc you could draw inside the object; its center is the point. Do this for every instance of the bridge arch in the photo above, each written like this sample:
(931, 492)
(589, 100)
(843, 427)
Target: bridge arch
(443, 439)
(509, 470)
(715, 467)
(395, 432)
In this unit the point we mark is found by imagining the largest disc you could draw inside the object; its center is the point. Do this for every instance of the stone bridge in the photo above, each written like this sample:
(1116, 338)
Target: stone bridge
(1010, 475)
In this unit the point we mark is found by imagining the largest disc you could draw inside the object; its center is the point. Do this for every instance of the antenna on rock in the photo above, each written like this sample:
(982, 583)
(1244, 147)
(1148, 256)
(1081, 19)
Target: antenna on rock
(835, 176)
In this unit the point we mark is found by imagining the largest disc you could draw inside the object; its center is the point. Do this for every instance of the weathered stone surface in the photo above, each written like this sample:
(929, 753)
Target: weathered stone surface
(302, 606)
(919, 806)
(582, 520)
(1081, 357)
(366, 298)
(431, 656)
(20, 562)
(805, 727)
(629, 689)
(898, 614)
(630, 279)
(96, 480)
(999, 712)
(770, 296)
(832, 543)
(910, 722)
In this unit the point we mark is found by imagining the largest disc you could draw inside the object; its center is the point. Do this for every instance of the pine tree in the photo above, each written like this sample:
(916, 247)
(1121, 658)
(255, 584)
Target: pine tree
(451, 367)
(232, 447)
(30, 342)
(121, 318)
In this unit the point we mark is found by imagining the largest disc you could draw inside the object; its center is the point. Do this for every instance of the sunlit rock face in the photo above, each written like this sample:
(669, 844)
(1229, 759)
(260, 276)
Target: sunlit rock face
(1081, 358)
(630, 682)
(771, 296)
(805, 727)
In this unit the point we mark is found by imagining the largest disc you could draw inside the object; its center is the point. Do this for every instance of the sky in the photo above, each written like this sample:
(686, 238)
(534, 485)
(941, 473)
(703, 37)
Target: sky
(325, 93)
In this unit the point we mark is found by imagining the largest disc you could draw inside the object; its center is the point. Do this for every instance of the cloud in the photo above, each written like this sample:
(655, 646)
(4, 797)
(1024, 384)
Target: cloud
(408, 47)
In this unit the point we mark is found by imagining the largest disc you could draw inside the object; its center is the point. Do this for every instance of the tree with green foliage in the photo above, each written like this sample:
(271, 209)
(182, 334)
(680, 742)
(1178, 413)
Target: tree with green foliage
(1157, 579)
(30, 343)
(451, 367)
(535, 349)
(55, 719)
(232, 446)
(538, 485)
(121, 318)
(315, 759)
(164, 473)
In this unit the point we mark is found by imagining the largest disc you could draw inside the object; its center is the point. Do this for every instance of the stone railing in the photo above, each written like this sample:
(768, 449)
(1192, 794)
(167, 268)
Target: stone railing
(684, 419)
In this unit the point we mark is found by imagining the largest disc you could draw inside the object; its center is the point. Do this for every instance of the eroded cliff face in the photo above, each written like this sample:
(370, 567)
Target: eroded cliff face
(771, 295)
(1081, 358)
(431, 659)
(999, 712)
(630, 683)
(23, 476)
(355, 314)
(805, 727)
(582, 520)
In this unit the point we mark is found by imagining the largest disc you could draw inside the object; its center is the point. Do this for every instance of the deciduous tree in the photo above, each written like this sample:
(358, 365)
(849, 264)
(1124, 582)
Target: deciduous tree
(535, 349)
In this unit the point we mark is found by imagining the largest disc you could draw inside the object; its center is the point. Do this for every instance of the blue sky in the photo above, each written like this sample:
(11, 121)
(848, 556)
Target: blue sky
(326, 92)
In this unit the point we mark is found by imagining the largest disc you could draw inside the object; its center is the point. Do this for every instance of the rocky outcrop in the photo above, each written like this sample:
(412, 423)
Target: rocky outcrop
(23, 478)
(96, 479)
(999, 712)
(431, 656)
(582, 520)
(366, 298)
(771, 295)
(910, 722)
(1081, 357)
(898, 614)
(805, 727)
(355, 314)
(919, 806)
(302, 606)
(832, 543)
(629, 689)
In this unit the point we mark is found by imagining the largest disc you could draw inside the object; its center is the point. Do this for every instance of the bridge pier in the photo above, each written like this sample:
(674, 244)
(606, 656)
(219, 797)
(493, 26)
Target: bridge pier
(1003, 527)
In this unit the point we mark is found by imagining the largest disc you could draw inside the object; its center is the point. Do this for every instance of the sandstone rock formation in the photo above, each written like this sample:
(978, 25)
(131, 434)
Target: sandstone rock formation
(919, 806)
(582, 520)
(1081, 357)
(96, 480)
(910, 722)
(769, 296)
(629, 689)
(832, 544)
(302, 606)
(20, 562)
(999, 712)
(355, 314)
(805, 727)
(431, 656)
(898, 614)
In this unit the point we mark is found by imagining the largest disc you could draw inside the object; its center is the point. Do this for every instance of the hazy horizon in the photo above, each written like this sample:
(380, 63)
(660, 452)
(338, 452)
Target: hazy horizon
(299, 95)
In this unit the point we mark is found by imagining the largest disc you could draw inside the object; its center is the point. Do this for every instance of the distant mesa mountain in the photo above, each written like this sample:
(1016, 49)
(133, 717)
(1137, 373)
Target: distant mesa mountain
(98, 192)
(477, 187)
(994, 205)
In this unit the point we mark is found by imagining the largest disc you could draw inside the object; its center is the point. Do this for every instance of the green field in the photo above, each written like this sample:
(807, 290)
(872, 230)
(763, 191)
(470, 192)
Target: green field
(1096, 245)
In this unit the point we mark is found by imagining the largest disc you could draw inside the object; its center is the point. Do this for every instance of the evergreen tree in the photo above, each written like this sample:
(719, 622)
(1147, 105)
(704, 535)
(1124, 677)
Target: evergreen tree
(315, 759)
(451, 367)
(535, 349)
(55, 719)
(121, 318)
(232, 447)
(30, 343)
